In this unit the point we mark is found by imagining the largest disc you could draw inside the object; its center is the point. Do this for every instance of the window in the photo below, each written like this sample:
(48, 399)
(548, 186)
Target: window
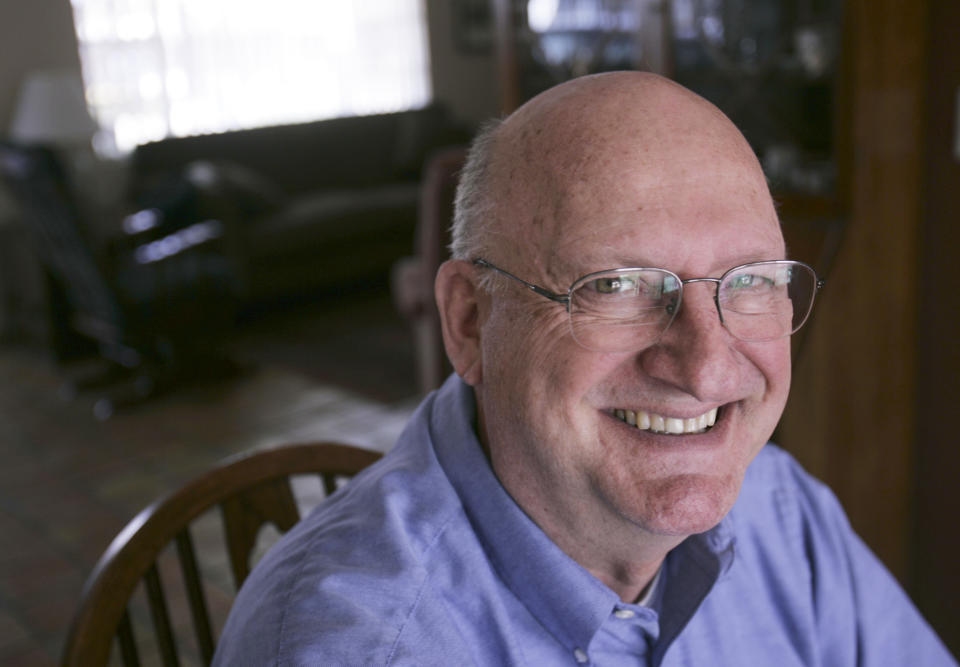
(156, 68)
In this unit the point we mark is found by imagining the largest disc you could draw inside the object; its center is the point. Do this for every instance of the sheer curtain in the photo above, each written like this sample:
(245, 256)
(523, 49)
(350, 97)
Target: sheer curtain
(156, 68)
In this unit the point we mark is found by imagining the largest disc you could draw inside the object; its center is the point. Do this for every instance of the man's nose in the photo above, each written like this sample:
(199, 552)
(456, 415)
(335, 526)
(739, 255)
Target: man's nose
(696, 353)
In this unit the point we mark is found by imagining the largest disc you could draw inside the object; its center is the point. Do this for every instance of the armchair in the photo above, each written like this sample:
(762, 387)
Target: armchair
(152, 304)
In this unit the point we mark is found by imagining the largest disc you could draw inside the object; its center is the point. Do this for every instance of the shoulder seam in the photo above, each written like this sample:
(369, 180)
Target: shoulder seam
(423, 585)
(286, 603)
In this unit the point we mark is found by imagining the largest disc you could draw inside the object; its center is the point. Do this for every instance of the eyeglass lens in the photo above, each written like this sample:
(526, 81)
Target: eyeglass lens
(628, 309)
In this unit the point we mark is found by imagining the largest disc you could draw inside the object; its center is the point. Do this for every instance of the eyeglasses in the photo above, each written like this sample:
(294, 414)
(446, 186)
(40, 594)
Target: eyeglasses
(624, 310)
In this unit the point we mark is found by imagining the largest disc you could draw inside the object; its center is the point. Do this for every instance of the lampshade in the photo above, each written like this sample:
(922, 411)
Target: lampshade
(51, 108)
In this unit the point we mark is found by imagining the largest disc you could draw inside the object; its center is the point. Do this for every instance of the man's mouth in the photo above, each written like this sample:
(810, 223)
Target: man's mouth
(650, 421)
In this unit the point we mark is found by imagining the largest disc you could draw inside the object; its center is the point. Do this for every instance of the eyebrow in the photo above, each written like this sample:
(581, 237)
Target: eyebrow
(621, 263)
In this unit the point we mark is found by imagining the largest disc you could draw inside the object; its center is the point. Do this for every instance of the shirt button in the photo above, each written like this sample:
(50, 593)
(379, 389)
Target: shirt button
(580, 656)
(624, 613)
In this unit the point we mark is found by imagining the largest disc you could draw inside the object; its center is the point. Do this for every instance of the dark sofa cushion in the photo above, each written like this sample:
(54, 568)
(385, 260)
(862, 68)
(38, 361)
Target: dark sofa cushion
(336, 153)
(250, 193)
(339, 239)
(309, 223)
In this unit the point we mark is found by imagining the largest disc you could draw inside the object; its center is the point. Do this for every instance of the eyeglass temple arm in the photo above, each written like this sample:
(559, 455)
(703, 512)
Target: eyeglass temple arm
(559, 298)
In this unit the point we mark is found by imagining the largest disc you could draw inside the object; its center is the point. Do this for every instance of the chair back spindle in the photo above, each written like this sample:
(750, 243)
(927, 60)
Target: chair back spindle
(251, 491)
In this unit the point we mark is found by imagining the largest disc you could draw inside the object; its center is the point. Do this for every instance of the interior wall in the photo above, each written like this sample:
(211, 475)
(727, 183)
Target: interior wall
(935, 572)
(466, 81)
(35, 35)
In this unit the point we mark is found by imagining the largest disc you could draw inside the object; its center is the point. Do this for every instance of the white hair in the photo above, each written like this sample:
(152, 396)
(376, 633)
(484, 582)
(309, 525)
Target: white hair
(474, 206)
(474, 212)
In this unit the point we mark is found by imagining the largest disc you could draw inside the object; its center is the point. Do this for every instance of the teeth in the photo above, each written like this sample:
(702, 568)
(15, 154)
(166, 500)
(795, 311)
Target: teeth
(657, 423)
(672, 425)
(648, 421)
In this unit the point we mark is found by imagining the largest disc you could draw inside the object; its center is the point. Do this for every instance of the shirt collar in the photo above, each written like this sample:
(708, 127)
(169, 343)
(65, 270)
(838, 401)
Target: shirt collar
(570, 602)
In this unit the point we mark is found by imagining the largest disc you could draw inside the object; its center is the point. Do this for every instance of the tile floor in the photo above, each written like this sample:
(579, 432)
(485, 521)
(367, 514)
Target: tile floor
(69, 483)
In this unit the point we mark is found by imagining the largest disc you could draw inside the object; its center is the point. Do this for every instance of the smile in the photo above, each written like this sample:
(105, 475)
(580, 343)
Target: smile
(649, 421)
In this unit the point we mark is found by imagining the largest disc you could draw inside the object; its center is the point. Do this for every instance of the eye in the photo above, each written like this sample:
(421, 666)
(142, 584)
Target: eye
(746, 281)
(614, 285)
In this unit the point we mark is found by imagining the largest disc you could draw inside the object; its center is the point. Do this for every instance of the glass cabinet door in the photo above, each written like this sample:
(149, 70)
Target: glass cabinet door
(768, 64)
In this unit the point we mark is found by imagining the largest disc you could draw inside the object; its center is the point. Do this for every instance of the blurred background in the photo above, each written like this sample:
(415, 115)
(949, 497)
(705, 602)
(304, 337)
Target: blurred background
(219, 222)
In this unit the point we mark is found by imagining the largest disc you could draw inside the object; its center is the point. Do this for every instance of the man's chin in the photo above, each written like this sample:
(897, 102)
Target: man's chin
(687, 505)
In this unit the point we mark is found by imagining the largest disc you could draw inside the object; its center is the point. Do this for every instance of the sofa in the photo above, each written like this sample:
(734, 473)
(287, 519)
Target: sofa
(326, 205)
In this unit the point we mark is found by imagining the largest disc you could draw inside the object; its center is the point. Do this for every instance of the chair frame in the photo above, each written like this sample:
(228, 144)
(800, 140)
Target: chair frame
(413, 277)
(252, 489)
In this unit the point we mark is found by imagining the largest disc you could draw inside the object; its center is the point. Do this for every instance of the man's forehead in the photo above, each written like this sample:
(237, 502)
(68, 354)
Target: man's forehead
(634, 215)
(585, 163)
(591, 248)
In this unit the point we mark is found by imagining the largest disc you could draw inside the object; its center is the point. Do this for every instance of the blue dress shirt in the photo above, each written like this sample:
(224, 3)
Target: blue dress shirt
(424, 559)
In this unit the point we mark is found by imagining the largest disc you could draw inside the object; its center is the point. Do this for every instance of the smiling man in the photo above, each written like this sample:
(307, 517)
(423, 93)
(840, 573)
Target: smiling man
(593, 485)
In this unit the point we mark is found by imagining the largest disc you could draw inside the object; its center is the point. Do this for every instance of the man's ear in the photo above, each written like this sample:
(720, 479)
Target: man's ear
(459, 300)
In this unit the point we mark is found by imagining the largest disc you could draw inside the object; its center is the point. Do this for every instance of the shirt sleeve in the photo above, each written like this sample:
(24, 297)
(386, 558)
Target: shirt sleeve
(882, 626)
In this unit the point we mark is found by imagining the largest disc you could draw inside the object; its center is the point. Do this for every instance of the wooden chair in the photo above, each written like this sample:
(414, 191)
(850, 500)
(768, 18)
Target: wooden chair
(251, 490)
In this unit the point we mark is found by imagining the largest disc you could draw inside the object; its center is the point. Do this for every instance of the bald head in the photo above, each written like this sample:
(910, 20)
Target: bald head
(587, 138)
